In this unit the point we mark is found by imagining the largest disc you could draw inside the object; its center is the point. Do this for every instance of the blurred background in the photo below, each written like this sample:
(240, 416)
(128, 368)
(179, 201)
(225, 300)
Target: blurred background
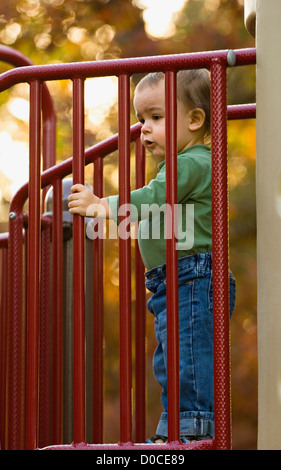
(54, 31)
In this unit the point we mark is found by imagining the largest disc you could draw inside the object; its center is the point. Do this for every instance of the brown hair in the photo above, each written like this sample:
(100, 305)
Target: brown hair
(193, 89)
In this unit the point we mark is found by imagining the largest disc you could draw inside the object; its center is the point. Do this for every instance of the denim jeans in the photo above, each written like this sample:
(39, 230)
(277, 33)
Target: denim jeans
(195, 342)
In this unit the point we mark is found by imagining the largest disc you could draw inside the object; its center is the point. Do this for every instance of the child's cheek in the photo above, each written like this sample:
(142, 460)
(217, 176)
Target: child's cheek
(142, 138)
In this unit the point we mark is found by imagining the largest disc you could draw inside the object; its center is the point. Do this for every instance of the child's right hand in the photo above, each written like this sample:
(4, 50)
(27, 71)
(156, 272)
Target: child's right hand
(83, 202)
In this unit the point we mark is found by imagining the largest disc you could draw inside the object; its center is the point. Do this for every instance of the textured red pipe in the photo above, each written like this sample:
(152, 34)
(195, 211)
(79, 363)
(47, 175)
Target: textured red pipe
(18, 59)
(171, 256)
(122, 66)
(124, 262)
(220, 256)
(15, 329)
(3, 333)
(33, 266)
(98, 317)
(57, 312)
(241, 111)
(44, 327)
(78, 269)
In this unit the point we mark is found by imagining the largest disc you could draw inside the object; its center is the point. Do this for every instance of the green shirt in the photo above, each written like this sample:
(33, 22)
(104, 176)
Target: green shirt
(148, 205)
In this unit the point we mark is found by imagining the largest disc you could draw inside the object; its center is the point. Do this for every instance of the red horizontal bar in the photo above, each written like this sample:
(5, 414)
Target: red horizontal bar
(241, 111)
(197, 445)
(120, 66)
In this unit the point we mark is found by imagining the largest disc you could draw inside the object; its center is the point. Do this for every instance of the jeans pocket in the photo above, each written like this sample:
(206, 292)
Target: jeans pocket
(185, 282)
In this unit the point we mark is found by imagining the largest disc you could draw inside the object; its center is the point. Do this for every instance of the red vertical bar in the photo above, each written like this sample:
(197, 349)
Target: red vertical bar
(140, 324)
(78, 269)
(57, 311)
(15, 331)
(48, 135)
(44, 327)
(3, 347)
(220, 256)
(33, 265)
(172, 256)
(98, 326)
(125, 262)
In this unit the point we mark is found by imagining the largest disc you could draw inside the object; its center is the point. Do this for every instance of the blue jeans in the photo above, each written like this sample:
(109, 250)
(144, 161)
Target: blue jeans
(195, 342)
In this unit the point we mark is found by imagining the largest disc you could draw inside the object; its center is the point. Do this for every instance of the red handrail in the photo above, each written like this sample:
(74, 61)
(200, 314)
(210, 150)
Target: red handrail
(16, 58)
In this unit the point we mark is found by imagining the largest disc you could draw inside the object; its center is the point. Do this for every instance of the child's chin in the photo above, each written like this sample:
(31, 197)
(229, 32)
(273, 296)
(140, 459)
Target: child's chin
(158, 153)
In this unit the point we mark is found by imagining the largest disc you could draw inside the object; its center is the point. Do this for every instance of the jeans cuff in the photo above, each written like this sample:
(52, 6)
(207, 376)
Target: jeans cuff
(192, 423)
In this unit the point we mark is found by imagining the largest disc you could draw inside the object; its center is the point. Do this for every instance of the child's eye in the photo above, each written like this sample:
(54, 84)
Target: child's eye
(156, 117)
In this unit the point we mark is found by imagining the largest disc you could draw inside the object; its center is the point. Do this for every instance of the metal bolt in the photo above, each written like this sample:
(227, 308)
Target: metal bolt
(12, 215)
(231, 58)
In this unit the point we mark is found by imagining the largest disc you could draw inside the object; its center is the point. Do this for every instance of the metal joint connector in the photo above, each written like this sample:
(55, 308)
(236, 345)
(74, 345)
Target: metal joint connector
(231, 58)
(12, 215)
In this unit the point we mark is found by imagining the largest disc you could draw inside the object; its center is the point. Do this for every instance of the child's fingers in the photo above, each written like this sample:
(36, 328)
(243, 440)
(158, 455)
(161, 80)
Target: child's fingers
(73, 197)
(77, 188)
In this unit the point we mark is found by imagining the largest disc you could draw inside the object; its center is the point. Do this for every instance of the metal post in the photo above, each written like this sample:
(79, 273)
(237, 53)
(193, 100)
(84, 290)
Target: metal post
(140, 319)
(15, 331)
(57, 311)
(220, 256)
(33, 266)
(78, 268)
(44, 328)
(3, 342)
(125, 262)
(98, 326)
(172, 256)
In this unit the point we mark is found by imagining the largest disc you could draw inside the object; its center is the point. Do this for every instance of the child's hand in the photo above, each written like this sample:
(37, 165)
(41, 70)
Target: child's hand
(83, 202)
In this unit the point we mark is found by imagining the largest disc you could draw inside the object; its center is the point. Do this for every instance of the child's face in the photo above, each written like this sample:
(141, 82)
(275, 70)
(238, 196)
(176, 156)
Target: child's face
(149, 103)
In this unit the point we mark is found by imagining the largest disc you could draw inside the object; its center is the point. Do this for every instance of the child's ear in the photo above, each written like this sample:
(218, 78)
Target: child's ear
(197, 119)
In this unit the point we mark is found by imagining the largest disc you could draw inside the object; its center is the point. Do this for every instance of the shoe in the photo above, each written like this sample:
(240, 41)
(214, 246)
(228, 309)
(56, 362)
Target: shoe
(183, 439)
(152, 440)
(187, 439)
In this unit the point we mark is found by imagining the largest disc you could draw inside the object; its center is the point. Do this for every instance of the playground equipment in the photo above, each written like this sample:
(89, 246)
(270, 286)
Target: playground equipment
(25, 290)
(262, 19)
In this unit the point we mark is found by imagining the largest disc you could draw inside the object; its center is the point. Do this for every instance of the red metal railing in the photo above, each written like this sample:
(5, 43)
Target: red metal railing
(25, 421)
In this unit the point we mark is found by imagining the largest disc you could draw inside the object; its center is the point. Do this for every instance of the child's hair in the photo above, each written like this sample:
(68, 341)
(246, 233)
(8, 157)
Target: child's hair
(193, 89)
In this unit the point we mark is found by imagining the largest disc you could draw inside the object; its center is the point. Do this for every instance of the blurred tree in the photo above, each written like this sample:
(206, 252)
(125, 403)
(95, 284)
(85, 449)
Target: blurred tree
(52, 31)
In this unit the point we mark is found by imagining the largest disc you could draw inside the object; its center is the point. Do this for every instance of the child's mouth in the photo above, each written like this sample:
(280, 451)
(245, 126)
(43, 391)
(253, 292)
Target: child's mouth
(149, 143)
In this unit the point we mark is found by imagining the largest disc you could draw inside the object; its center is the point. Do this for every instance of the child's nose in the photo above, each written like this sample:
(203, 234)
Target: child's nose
(146, 128)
